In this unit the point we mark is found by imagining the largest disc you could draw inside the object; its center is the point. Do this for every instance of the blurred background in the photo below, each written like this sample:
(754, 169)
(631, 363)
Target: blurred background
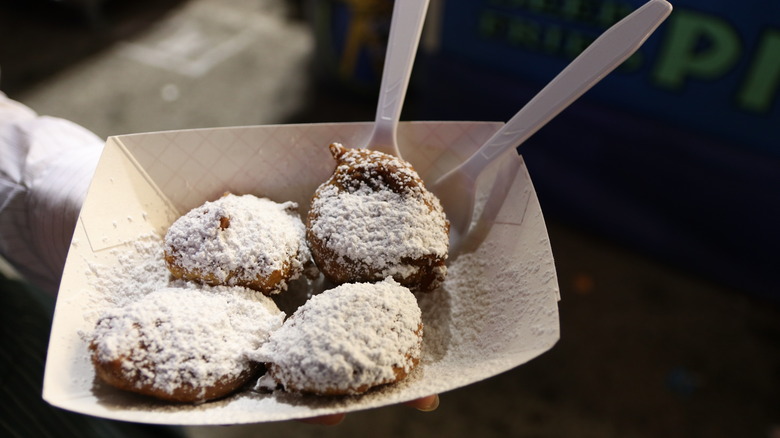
(660, 187)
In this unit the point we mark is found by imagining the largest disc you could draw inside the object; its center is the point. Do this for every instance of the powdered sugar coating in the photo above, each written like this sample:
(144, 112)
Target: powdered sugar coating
(184, 339)
(239, 240)
(347, 340)
(374, 218)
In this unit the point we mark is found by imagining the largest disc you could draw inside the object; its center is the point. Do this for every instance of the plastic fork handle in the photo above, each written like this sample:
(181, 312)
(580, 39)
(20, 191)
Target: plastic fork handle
(607, 52)
(405, 30)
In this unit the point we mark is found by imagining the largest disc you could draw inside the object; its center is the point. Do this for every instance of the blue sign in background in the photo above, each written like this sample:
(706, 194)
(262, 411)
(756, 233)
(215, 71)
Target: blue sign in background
(713, 66)
(675, 154)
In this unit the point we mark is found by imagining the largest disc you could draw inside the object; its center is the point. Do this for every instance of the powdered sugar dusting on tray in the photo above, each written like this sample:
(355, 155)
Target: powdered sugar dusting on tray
(140, 270)
(467, 317)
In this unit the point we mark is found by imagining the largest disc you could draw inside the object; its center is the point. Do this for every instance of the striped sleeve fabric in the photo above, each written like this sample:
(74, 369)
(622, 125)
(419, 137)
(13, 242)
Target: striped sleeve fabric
(46, 165)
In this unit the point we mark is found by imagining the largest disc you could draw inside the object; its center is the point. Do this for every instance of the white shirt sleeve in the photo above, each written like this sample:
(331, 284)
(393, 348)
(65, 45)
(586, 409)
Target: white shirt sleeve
(46, 165)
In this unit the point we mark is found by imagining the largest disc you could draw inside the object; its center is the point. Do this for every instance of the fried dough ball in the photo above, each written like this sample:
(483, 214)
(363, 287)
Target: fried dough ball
(183, 345)
(239, 241)
(346, 340)
(374, 218)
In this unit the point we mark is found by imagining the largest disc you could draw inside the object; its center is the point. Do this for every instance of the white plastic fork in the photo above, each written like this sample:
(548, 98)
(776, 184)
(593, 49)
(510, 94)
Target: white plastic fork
(457, 188)
(405, 29)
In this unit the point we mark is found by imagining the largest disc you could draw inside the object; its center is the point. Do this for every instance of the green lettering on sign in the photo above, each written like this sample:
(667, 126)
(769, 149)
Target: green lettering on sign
(763, 79)
(696, 46)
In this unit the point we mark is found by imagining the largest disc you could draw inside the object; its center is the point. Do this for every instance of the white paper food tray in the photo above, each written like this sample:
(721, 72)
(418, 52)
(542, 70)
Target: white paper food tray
(497, 309)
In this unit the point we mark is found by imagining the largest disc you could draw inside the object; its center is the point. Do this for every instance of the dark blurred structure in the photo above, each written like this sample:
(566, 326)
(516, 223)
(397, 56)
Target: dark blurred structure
(41, 37)
(675, 154)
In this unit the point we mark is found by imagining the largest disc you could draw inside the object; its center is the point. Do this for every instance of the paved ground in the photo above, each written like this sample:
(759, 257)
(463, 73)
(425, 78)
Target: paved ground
(646, 350)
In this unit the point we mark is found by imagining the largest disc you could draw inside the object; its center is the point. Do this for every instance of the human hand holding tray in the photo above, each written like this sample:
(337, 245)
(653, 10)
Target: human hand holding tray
(496, 310)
